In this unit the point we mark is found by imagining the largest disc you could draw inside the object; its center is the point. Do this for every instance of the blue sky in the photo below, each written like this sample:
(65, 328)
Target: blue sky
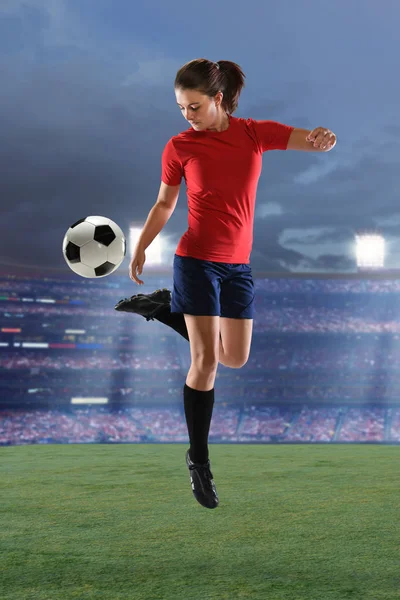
(87, 105)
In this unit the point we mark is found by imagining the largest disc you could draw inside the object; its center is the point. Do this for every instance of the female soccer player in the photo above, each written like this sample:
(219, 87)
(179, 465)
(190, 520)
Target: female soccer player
(220, 158)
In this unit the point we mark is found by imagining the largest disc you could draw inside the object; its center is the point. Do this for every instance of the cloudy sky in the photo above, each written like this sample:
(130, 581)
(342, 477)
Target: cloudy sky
(87, 106)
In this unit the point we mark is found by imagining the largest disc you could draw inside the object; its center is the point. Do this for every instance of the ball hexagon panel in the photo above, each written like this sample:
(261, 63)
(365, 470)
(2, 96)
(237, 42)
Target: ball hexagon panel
(96, 220)
(117, 251)
(82, 233)
(94, 254)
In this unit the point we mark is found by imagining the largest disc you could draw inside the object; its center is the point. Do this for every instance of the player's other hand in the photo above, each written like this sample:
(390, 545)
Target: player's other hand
(136, 265)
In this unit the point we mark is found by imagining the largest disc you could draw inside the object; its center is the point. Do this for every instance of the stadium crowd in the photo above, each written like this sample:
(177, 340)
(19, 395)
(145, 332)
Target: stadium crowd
(325, 357)
(160, 425)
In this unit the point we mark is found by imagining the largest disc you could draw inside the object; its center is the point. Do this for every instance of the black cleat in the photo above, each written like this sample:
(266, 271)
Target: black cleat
(145, 305)
(202, 481)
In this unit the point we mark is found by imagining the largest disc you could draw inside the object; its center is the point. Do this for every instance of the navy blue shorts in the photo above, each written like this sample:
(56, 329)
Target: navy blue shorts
(203, 287)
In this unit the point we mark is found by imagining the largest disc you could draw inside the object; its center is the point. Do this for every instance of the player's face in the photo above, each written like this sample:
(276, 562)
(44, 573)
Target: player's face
(199, 109)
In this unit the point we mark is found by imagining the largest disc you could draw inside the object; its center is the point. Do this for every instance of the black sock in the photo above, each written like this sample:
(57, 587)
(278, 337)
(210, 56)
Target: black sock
(198, 411)
(174, 320)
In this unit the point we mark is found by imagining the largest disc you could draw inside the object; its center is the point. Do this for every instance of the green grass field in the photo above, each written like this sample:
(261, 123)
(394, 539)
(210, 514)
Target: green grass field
(120, 522)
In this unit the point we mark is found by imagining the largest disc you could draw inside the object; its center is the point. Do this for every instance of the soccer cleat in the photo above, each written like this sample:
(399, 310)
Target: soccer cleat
(163, 296)
(202, 481)
(145, 305)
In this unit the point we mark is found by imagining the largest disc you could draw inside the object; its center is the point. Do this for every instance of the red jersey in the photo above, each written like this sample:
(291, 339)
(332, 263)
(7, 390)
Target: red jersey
(221, 170)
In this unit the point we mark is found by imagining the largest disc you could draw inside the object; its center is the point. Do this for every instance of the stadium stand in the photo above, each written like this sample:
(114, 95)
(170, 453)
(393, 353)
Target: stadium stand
(324, 364)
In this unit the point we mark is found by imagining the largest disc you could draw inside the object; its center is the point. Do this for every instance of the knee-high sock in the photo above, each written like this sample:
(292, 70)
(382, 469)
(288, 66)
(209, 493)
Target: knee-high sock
(198, 411)
(174, 320)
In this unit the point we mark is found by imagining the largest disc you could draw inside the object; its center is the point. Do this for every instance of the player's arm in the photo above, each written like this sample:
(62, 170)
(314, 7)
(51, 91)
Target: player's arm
(168, 195)
(315, 140)
(159, 214)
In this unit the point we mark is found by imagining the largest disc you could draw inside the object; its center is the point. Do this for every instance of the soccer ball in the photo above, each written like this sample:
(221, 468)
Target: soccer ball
(94, 247)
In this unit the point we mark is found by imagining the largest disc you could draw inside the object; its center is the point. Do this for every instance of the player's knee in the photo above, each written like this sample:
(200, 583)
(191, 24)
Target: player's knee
(205, 362)
(237, 362)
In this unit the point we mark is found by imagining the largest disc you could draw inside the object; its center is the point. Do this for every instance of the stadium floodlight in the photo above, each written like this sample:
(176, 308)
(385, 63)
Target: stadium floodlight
(370, 250)
(75, 331)
(89, 400)
(153, 252)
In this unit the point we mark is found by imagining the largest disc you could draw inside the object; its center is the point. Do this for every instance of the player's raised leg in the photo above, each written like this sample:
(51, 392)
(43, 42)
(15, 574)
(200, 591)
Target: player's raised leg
(155, 306)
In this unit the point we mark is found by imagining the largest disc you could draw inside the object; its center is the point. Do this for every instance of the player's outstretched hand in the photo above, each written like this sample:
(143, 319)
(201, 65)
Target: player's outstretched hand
(136, 265)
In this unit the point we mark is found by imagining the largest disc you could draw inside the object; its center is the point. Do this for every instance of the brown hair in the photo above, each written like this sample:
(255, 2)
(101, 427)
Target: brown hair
(209, 78)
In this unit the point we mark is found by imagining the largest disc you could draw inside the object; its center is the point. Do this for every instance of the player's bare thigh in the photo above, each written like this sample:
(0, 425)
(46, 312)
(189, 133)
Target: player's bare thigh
(236, 336)
(203, 338)
(219, 339)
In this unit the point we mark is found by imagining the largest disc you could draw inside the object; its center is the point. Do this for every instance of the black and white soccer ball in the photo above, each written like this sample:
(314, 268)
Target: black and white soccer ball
(94, 247)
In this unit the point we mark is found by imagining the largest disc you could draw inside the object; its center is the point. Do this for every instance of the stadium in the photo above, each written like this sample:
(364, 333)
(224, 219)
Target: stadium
(323, 368)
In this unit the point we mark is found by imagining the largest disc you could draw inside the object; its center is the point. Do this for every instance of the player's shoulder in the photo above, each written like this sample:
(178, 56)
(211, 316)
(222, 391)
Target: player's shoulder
(247, 124)
(187, 134)
(175, 141)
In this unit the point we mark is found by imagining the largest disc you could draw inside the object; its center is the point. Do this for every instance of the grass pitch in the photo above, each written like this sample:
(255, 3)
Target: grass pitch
(119, 522)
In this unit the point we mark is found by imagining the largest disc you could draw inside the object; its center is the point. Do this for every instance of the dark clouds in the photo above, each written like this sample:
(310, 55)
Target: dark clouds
(347, 200)
(84, 119)
(71, 148)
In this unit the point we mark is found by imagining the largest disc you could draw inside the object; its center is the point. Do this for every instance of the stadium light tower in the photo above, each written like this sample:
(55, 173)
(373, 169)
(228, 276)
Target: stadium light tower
(370, 250)
(153, 252)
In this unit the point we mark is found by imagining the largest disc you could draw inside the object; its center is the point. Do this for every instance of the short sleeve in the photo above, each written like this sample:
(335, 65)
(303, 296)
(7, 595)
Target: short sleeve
(171, 166)
(271, 135)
